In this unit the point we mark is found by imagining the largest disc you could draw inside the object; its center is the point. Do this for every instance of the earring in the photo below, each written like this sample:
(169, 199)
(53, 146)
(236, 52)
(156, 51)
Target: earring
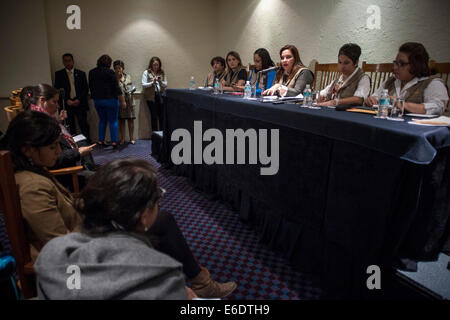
(146, 229)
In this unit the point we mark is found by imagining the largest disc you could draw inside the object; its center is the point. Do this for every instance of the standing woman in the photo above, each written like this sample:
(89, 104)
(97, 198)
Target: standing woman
(293, 77)
(236, 73)
(154, 82)
(125, 113)
(262, 61)
(106, 93)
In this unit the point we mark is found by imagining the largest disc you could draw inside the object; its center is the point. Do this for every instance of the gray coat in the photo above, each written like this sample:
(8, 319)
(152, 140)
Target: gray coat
(112, 266)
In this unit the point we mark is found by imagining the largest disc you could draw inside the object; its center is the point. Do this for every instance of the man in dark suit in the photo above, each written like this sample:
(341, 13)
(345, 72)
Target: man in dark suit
(75, 85)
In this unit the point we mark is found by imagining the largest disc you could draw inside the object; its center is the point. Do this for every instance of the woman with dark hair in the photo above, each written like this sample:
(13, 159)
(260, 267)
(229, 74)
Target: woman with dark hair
(262, 61)
(154, 82)
(44, 98)
(218, 65)
(33, 140)
(293, 76)
(113, 242)
(123, 230)
(236, 74)
(423, 94)
(126, 85)
(352, 86)
(106, 93)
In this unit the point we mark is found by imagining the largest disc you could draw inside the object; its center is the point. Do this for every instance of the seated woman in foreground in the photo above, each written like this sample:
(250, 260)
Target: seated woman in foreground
(236, 74)
(218, 65)
(113, 242)
(412, 81)
(293, 76)
(47, 207)
(353, 85)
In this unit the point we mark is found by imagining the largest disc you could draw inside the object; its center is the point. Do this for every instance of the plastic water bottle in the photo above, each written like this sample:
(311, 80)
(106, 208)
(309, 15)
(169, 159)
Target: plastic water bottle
(384, 104)
(247, 90)
(216, 86)
(307, 96)
(192, 83)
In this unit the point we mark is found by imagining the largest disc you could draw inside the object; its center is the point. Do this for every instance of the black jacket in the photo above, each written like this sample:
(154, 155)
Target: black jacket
(103, 84)
(81, 86)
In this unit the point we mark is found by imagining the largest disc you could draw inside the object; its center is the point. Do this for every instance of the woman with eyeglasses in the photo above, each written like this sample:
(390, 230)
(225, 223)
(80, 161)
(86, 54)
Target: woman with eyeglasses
(48, 210)
(412, 81)
(352, 86)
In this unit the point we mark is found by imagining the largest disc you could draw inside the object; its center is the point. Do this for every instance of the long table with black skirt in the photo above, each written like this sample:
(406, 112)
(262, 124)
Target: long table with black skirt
(352, 191)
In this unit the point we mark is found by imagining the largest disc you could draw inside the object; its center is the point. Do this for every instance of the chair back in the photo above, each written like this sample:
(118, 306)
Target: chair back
(378, 73)
(324, 74)
(10, 204)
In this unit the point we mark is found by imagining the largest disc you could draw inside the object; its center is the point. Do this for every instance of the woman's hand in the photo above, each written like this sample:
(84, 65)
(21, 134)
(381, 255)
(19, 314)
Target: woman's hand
(191, 293)
(86, 150)
(321, 99)
(329, 103)
(63, 115)
(372, 100)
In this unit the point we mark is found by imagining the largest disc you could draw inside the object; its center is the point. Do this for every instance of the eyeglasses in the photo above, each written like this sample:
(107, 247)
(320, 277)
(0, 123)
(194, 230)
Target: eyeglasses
(400, 63)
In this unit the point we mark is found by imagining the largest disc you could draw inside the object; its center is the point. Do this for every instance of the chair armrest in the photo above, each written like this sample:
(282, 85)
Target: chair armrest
(68, 170)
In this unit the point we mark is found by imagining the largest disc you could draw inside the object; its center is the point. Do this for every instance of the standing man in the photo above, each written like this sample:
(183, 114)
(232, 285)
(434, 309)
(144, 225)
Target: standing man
(74, 83)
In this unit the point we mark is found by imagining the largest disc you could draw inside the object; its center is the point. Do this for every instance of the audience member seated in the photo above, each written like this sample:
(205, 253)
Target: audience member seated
(47, 207)
(218, 65)
(113, 243)
(353, 85)
(44, 98)
(423, 94)
(236, 74)
(262, 61)
(293, 76)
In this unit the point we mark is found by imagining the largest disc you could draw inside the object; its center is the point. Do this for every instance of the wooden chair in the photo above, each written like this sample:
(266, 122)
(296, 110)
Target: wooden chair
(378, 73)
(73, 171)
(328, 73)
(10, 204)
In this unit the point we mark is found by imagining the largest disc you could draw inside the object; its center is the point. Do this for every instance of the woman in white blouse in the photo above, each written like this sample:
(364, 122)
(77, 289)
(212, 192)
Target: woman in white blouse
(412, 81)
(154, 82)
(352, 86)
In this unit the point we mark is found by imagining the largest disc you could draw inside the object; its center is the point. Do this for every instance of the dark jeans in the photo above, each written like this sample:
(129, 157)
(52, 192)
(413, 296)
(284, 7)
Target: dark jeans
(80, 113)
(156, 114)
(166, 237)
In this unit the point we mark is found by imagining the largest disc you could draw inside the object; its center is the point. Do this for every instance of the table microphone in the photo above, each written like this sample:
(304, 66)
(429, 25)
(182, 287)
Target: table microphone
(269, 69)
(62, 97)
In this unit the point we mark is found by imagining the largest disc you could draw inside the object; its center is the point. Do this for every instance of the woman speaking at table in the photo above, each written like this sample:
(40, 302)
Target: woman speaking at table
(423, 94)
(236, 74)
(262, 61)
(293, 77)
(353, 85)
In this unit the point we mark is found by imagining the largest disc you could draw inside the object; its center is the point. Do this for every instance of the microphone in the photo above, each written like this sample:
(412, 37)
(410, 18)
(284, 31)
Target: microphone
(269, 69)
(62, 93)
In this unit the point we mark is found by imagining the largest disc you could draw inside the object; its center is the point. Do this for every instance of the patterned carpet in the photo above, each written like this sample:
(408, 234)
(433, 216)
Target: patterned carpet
(218, 239)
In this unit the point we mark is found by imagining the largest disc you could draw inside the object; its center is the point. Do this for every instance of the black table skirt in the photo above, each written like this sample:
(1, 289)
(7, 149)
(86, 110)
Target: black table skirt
(334, 208)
